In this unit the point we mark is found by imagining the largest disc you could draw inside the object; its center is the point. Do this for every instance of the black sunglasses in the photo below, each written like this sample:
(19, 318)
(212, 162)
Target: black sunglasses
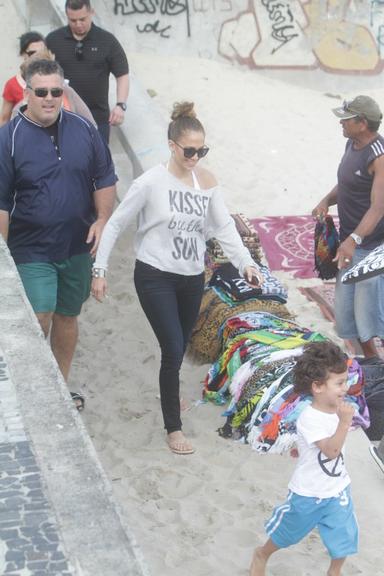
(79, 50)
(43, 92)
(189, 151)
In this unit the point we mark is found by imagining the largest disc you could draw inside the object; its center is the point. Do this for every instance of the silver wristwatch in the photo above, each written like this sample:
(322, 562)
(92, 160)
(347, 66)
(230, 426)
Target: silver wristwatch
(358, 239)
(98, 273)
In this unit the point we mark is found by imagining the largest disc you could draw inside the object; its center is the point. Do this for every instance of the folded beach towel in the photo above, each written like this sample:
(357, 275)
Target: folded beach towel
(371, 265)
(228, 278)
(231, 288)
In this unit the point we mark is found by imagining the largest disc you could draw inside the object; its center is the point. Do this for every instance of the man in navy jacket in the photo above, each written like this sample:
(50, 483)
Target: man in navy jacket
(57, 190)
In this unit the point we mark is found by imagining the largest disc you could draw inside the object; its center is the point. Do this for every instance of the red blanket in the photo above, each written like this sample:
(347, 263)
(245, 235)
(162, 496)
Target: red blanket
(288, 243)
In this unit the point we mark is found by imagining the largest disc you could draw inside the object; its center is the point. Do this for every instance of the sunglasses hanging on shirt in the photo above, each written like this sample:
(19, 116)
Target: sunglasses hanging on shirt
(79, 50)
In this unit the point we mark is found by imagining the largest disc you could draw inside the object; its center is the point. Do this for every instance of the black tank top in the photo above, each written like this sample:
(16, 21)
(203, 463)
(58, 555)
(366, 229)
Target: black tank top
(354, 190)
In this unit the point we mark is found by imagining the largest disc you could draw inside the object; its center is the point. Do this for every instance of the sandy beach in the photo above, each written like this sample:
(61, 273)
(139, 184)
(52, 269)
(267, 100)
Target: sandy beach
(275, 149)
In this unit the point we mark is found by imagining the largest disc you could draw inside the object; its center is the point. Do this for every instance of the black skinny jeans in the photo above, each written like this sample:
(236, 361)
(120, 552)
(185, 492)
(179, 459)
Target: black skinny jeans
(171, 303)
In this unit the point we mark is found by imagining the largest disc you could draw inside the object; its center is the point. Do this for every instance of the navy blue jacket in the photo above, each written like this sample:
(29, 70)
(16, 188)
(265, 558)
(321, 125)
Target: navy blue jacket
(49, 193)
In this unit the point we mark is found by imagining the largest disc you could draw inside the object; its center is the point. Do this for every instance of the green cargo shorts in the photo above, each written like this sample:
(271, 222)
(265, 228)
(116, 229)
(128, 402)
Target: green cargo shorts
(60, 287)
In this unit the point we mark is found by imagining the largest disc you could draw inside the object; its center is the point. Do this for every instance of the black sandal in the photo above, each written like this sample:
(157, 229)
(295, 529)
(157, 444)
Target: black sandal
(79, 401)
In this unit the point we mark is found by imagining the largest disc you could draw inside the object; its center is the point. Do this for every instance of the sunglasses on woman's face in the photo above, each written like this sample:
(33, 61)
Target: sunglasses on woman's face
(190, 151)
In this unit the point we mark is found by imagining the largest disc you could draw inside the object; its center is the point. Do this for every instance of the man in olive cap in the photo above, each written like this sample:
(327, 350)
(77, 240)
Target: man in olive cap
(359, 195)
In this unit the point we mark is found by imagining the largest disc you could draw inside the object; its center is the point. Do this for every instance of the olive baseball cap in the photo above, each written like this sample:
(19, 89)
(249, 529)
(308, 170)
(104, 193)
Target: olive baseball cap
(359, 106)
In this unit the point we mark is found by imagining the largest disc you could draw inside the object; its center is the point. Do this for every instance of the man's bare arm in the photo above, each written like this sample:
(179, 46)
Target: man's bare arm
(104, 202)
(330, 199)
(376, 211)
(122, 88)
(370, 219)
(116, 116)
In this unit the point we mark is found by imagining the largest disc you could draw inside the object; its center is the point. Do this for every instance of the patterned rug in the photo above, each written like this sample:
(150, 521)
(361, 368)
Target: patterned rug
(288, 243)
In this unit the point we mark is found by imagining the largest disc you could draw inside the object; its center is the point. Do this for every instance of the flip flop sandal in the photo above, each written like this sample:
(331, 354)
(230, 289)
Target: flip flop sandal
(376, 456)
(181, 448)
(79, 401)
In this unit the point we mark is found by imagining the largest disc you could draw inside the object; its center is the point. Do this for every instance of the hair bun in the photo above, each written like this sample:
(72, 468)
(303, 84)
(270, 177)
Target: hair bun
(183, 109)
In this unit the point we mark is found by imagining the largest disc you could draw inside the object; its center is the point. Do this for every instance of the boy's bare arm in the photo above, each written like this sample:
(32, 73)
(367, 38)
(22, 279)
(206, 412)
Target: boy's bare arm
(332, 446)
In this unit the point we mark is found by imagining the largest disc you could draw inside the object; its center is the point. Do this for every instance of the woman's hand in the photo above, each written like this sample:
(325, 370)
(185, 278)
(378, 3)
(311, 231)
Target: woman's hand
(253, 276)
(99, 288)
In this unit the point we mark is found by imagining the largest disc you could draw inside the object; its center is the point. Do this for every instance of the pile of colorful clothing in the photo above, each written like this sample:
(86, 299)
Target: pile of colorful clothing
(254, 372)
(227, 293)
(205, 344)
(249, 236)
(373, 373)
(249, 336)
(273, 429)
(233, 288)
(247, 341)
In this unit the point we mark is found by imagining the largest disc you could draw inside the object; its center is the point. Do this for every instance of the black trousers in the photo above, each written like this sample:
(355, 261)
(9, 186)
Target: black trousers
(105, 131)
(171, 303)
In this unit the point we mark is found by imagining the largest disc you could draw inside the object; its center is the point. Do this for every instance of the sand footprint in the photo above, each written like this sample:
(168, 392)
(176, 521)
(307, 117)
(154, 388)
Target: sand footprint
(227, 502)
(174, 485)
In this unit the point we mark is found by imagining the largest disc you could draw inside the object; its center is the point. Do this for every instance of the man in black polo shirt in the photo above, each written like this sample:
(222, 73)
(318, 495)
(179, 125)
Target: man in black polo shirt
(88, 55)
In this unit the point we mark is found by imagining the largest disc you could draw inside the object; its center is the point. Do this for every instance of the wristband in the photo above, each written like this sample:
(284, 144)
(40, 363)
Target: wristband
(98, 273)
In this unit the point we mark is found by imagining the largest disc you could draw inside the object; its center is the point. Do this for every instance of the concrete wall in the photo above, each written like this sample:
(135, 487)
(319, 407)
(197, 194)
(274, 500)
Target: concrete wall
(336, 36)
(41, 15)
(37, 408)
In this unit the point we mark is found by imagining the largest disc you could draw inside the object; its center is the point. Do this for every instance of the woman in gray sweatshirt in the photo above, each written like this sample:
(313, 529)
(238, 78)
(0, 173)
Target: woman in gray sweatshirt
(178, 206)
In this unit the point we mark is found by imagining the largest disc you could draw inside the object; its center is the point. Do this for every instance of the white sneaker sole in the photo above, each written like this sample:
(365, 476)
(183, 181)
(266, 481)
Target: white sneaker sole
(375, 455)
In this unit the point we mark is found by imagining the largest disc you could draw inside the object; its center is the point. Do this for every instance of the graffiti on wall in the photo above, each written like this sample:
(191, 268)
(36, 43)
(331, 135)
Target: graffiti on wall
(335, 35)
(166, 17)
(155, 14)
